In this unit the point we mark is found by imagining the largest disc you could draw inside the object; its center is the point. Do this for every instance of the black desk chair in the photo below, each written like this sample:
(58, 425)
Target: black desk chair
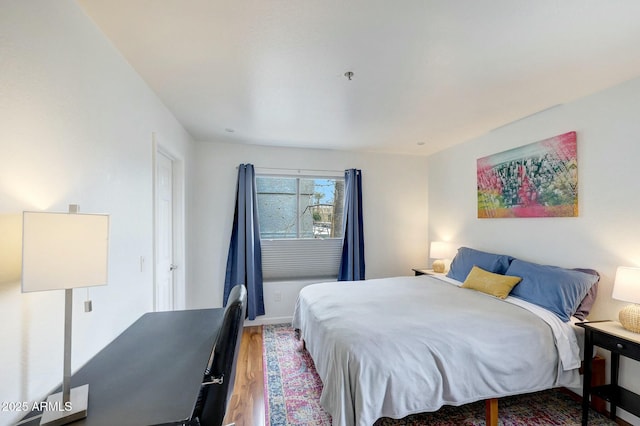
(220, 374)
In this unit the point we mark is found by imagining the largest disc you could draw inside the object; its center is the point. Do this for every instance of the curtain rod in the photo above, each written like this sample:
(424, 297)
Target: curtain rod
(299, 171)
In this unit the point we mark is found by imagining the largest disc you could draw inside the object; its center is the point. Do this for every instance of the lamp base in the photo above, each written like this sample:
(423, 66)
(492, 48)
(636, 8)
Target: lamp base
(630, 318)
(438, 266)
(58, 413)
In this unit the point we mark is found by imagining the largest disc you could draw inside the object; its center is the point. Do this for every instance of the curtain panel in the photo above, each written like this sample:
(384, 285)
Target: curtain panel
(244, 261)
(352, 260)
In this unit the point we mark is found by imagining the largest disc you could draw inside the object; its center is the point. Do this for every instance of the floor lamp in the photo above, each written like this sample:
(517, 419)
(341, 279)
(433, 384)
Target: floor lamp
(64, 251)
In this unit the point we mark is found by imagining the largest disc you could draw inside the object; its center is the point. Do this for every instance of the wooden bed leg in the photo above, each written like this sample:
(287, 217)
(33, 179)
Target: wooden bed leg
(298, 336)
(491, 412)
(598, 366)
(598, 379)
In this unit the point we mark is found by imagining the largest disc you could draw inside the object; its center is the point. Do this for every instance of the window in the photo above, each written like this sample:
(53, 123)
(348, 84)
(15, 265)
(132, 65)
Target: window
(300, 225)
(292, 207)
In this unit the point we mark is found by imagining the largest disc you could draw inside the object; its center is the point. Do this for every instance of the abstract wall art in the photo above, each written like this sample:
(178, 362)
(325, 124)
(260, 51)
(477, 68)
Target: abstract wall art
(535, 180)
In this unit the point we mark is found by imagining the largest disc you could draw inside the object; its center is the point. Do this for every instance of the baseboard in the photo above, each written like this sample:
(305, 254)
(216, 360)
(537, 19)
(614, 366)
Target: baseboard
(267, 321)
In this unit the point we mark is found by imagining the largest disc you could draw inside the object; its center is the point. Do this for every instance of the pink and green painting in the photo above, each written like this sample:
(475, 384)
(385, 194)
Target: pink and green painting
(535, 180)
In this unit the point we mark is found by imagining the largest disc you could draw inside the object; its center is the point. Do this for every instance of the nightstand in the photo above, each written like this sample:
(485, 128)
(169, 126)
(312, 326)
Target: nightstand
(427, 271)
(609, 335)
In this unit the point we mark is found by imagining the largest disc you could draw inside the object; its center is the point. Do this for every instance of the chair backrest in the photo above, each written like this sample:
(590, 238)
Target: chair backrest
(220, 375)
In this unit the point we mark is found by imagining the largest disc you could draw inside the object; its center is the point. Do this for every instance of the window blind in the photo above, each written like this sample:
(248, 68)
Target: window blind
(300, 258)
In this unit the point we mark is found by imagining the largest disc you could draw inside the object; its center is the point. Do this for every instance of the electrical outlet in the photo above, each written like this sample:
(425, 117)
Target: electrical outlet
(277, 296)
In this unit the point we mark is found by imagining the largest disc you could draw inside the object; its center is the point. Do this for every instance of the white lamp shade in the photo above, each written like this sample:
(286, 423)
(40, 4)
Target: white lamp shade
(440, 250)
(64, 250)
(627, 284)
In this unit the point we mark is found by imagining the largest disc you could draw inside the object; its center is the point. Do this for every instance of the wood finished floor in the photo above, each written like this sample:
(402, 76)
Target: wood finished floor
(246, 407)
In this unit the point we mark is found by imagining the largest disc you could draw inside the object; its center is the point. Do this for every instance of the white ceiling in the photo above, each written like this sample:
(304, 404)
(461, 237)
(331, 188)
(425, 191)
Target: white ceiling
(437, 72)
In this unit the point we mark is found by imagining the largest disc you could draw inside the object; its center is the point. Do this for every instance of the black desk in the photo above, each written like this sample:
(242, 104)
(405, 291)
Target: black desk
(151, 373)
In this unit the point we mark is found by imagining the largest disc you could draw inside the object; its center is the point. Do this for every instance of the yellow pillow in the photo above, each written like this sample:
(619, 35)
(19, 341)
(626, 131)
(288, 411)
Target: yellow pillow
(487, 282)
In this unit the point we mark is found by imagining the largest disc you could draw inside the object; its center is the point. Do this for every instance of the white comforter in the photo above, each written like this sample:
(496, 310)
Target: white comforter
(397, 346)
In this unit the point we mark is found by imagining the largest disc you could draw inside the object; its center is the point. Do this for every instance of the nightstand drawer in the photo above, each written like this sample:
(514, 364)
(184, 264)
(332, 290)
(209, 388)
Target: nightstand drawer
(615, 344)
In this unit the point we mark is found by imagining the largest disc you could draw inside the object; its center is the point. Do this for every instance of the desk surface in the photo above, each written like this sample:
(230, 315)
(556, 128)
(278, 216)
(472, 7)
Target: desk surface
(151, 373)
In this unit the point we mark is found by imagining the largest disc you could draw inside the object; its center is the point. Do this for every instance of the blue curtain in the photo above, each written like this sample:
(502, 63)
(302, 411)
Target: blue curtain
(244, 262)
(352, 261)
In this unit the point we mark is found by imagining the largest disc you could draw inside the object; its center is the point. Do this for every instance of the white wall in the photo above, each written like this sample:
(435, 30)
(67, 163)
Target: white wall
(76, 126)
(394, 203)
(605, 235)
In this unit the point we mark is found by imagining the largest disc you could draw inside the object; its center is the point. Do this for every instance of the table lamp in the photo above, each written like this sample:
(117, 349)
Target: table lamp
(626, 287)
(64, 251)
(440, 251)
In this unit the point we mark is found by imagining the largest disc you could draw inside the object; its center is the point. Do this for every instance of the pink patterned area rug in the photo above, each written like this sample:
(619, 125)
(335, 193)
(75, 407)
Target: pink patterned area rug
(291, 385)
(292, 395)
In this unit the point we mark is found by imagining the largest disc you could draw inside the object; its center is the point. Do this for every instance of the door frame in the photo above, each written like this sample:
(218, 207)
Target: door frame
(178, 222)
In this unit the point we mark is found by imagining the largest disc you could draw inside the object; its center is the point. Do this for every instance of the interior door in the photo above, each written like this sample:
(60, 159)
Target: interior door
(164, 297)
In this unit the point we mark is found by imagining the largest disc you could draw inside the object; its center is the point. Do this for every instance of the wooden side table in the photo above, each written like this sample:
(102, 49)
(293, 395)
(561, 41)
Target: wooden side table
(609, 335)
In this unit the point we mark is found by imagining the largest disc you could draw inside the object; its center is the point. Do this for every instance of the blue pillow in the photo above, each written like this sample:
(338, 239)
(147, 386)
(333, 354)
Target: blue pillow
(556, 289)
(467, 258)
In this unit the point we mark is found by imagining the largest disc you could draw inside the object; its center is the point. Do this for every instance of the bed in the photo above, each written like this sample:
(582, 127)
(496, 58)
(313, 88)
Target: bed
(398, 346)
